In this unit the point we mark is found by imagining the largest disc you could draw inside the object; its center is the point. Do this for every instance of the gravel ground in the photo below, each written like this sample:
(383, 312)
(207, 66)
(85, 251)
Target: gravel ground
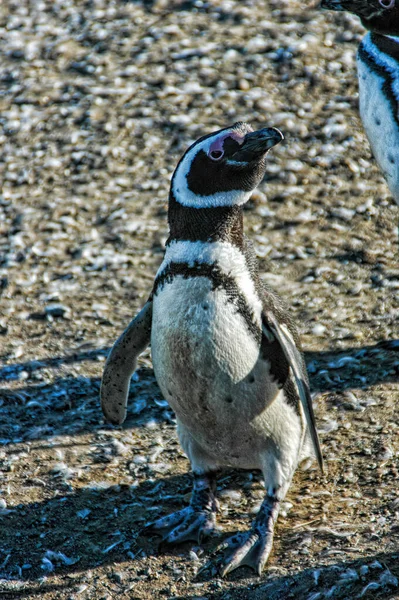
(98, 100)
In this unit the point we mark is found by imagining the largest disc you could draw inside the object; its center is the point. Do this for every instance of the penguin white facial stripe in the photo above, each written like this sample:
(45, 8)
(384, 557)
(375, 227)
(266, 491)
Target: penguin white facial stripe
(229, 259)
(188, 198)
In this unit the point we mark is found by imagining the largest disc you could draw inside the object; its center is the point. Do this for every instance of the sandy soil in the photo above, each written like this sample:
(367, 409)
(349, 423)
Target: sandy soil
(98, 100)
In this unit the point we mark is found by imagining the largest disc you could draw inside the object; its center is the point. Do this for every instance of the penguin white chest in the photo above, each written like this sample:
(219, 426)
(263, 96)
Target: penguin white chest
(380, 122)
(196, 328)
(209, 367)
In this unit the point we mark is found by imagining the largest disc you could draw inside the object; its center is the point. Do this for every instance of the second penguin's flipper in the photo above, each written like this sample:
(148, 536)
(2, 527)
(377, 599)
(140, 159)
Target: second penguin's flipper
(282, 334)
(121, 364)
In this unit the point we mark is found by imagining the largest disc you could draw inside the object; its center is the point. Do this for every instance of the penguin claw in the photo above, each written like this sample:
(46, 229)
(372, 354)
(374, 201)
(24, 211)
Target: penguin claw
(184, 525)
(252, 549)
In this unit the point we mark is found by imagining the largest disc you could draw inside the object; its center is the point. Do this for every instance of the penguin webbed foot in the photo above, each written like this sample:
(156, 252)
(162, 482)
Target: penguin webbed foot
(196, 521)
(184, 525)
(252, 548)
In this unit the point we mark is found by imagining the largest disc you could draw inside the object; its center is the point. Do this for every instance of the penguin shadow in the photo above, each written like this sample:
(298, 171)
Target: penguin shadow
(12, 372)
(70, 534)
(80, 529)
(70, 405)
(353, 367)
(370, 577)
(75, 531)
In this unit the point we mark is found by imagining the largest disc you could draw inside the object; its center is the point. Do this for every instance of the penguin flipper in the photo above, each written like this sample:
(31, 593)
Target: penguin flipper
(271, 325)
(121, 364)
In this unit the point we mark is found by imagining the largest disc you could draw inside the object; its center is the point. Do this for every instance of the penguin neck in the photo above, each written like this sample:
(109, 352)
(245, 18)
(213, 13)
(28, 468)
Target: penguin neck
(218, 224)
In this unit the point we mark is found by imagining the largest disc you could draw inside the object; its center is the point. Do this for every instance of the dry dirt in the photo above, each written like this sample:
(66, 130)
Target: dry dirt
(98, 100)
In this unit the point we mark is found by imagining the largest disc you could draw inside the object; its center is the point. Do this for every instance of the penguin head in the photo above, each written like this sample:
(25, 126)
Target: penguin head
(380, 16)
(224, 167)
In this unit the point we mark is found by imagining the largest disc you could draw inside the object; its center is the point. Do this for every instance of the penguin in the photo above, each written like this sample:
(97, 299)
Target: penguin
(225, 351)
(378, 73)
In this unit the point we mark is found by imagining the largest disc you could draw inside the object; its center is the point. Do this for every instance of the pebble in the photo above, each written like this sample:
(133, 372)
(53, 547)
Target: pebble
(346, 214)
(233, 496)
(318, 329)
(62, 470)
(342, 362)
(83, 513)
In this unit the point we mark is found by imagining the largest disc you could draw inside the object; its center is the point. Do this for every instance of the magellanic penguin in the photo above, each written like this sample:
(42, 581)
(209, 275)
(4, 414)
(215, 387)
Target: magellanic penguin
(378, 71)
(225, 351)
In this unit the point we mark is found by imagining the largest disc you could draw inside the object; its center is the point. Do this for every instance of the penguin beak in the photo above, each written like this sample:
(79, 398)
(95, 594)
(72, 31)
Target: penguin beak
(257, 143)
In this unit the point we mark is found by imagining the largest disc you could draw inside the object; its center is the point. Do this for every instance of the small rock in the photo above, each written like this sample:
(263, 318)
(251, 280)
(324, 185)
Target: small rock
(318, 329)
(57, 311)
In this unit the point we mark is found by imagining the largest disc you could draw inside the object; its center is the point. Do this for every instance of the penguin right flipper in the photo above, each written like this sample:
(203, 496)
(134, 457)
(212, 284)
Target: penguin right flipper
(121, 364)
(271, 325)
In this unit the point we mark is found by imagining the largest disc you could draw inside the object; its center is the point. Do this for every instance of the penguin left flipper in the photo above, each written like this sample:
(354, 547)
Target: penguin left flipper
(271, 326)
(121, 364)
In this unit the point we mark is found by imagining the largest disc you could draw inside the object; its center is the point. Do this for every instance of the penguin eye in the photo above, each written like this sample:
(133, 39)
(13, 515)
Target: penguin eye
(387, 3)
(216, 150)
(216, 154)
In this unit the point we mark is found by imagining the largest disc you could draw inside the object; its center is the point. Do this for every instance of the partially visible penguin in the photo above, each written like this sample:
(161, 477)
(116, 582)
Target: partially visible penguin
(225, 351)
(378, 71)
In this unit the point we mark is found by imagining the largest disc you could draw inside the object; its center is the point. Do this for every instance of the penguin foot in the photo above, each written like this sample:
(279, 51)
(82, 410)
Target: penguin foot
(185, 525)
(252, 548)
(195, 521)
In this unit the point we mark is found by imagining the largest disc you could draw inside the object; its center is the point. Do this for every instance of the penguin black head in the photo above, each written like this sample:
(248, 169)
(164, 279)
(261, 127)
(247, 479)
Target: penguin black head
(224, 167)
(379, 16)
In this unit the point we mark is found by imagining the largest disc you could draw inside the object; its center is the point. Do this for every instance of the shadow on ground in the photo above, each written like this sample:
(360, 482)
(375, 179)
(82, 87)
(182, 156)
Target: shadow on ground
(84, 529)
(340, 580)
(70, 405)
(78, 530)
(87, 526)
(81, 530)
